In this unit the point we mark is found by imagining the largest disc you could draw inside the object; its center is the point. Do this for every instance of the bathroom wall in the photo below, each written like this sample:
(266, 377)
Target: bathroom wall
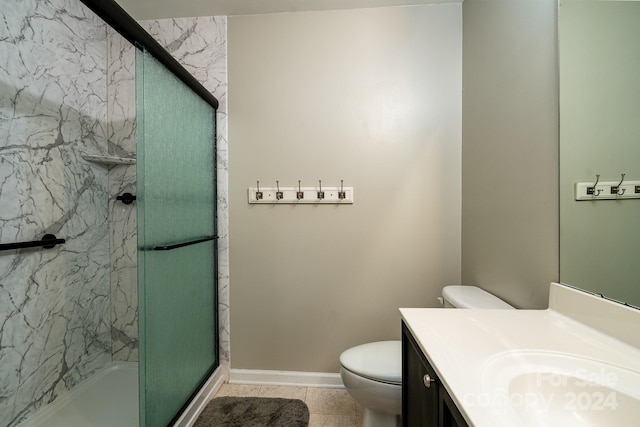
(510, 149)
(370, 96)
(54, 304)
(199, 44)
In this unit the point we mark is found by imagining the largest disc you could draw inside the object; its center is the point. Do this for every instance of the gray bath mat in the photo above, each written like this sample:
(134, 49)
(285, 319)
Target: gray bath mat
(254, 412)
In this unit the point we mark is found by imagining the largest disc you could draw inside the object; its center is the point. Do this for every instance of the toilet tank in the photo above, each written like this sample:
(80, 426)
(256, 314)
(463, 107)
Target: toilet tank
(462, 296)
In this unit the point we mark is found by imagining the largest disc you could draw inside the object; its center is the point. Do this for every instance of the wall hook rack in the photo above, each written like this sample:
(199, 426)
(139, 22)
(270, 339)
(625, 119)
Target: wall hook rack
(300, 195)
(608, 190)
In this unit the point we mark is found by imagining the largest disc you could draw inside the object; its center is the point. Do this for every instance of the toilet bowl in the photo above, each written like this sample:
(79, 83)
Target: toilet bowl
(372, 372)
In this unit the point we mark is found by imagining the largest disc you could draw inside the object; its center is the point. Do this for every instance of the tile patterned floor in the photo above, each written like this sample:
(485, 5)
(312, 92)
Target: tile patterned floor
(328, 407)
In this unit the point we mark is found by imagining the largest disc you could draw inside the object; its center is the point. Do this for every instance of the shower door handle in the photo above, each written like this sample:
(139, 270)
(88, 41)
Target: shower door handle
(182, 244)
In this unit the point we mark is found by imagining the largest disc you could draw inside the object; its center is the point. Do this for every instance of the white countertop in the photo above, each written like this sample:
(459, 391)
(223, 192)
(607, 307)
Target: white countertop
(473, 352)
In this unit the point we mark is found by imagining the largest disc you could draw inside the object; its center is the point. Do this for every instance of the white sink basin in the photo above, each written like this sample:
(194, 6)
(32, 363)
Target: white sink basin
(558, 389)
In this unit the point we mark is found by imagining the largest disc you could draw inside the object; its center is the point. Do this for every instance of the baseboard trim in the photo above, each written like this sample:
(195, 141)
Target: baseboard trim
(283, 378)
(206, 393)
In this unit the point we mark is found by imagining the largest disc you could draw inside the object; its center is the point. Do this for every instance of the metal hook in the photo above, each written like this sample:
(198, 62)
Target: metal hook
(258, 192)
(617, 187)
(592, 190)
(299, 193)
(320, 193)
(279, 194)
(341, 193)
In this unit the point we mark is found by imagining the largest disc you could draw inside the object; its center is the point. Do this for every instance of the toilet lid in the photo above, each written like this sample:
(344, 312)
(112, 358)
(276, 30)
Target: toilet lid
(463, 296)
(379, 361)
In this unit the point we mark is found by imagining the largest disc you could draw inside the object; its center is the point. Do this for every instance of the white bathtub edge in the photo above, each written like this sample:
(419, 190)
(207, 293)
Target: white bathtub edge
(43, 415)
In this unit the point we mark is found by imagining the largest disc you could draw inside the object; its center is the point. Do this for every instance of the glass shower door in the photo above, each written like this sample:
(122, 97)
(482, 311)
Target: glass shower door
(176, 208)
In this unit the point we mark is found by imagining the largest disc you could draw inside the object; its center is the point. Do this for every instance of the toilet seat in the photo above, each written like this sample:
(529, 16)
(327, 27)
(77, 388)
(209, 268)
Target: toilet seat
(378, 361)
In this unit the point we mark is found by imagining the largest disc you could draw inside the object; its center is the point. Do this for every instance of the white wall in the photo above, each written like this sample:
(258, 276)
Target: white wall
(371, 96)
(510, 149)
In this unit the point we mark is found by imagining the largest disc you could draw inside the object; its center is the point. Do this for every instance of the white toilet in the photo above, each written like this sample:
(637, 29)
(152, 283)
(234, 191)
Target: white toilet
(372, 373)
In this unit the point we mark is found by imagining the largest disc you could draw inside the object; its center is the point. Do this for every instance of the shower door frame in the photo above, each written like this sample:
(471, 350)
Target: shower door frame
(118, 19)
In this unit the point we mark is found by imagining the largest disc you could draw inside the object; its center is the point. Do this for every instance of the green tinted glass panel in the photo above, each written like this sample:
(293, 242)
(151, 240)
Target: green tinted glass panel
(175, 139)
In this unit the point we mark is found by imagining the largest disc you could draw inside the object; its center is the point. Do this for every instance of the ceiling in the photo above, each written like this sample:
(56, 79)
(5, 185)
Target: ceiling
(160, 9)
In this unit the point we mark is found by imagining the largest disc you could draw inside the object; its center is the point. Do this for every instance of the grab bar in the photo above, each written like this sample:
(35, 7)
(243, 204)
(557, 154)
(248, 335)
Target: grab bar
(48, 241)
(183, 244)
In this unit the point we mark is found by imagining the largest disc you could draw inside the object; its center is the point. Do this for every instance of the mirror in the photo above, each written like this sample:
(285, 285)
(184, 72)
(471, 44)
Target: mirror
(599, 60)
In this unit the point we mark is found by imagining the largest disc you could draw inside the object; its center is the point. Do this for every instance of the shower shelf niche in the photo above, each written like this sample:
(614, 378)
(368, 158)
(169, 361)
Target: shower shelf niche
(109, 160)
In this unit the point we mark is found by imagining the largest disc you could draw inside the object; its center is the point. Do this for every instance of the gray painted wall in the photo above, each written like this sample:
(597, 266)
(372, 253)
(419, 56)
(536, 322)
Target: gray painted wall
(510, 149)
(371, 96)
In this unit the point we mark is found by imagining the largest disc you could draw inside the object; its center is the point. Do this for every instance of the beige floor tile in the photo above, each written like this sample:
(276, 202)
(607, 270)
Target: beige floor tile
(288, 392)
(328, 401)
(239, 390)
(318, 420)
(359, 414)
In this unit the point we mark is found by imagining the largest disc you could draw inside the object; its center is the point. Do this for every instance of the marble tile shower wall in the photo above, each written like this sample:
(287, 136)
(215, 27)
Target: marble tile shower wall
(54, 317)
(199, 44)
(122, 179)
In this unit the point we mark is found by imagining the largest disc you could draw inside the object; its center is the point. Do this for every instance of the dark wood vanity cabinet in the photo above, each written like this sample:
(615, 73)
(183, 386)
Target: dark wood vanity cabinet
(425, 402)
(419, 402)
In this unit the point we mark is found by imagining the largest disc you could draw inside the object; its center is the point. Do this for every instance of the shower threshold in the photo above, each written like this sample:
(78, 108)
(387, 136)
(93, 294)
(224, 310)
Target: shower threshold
(108, 398)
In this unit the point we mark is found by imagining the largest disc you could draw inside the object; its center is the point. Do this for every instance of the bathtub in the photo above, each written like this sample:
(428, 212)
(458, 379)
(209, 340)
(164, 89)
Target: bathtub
(109, 398)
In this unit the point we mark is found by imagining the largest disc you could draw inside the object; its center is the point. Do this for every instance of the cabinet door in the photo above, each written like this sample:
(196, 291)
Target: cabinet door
(450, 416)
(419, 386)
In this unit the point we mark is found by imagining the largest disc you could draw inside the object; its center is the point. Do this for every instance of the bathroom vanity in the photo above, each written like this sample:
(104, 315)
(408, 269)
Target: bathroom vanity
(425, 401)
(576, 363)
